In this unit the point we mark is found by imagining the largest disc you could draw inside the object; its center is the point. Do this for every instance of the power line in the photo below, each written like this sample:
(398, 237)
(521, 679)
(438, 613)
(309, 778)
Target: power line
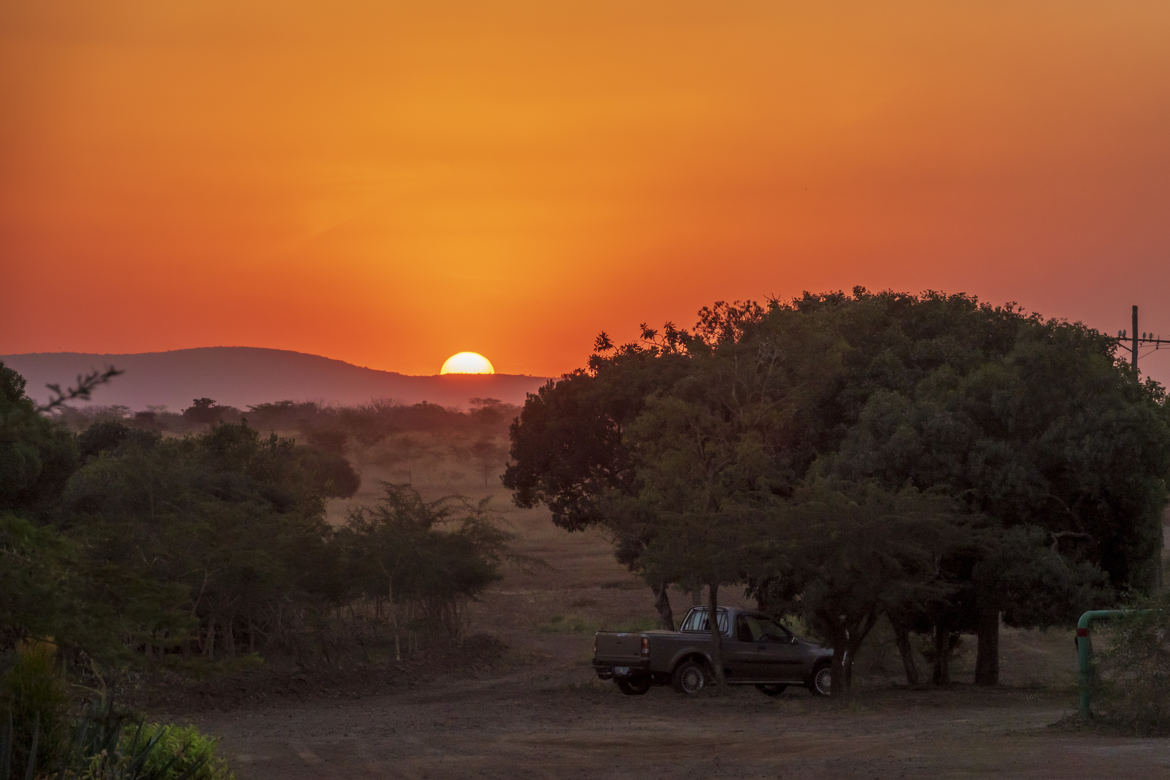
(1132, 348)
(1135, 340)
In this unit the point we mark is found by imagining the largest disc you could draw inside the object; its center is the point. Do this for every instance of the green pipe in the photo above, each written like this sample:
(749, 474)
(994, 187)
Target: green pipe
(1085, 651)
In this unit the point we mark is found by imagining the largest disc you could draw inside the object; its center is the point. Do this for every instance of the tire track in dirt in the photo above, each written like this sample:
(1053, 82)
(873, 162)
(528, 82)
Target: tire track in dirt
(532, 723)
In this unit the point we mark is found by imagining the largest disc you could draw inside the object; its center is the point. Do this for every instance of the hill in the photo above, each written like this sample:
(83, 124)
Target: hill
(244, 376)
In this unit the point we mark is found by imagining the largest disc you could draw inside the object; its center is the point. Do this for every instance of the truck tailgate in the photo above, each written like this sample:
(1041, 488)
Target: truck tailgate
(618, 648)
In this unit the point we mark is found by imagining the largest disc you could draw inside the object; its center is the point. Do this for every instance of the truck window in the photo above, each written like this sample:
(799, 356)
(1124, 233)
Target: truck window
(771, 630)
(744, 630)
(750, 629)
(697, 621)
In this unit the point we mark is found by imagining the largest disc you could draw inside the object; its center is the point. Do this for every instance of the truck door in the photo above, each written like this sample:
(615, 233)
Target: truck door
(780, 658)
(744, 657)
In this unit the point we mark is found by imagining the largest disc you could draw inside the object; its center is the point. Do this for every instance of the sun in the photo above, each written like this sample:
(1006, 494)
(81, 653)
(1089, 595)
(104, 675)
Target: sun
(467, 363)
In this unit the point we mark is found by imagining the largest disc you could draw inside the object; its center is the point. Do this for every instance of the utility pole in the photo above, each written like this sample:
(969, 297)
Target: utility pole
(1133, 347)
(1135, 340)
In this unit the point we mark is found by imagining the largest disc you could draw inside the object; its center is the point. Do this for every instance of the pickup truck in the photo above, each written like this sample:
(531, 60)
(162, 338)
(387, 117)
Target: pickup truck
(759, 651)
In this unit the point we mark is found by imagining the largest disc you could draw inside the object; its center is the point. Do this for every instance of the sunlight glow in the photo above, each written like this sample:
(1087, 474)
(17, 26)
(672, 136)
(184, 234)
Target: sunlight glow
(467, 363)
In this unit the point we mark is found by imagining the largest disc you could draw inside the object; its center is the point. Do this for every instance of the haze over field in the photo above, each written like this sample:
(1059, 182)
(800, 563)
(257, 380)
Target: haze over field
(243, 377)
(390, 183)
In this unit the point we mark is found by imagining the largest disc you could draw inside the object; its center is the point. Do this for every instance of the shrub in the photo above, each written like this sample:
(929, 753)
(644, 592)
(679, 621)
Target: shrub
(165, 751)
(1132, 677)
(34, 709)
(106, 742)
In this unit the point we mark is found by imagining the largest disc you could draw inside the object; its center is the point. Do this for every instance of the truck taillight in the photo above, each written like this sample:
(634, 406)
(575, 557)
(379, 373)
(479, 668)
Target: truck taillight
(645, 646)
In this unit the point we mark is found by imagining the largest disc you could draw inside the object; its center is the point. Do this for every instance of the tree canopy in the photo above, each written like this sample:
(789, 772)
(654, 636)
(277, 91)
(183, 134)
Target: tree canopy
(986, 461)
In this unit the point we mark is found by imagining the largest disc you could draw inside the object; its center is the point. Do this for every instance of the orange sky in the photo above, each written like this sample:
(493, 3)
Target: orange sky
(391, 182)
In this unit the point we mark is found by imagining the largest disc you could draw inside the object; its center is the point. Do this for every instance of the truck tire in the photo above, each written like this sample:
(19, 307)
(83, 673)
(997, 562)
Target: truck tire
(821, 681)
(633, 686)
(690, 677)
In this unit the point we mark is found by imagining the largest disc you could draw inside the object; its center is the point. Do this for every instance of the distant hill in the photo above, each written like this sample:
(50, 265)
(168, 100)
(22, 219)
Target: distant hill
(245, 376)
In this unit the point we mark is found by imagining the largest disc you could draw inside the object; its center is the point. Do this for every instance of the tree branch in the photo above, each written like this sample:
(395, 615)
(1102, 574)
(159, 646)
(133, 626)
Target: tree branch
(86, 384)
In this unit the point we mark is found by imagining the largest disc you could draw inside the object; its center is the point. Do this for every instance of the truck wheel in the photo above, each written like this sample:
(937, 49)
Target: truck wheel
(821, 682)
(633, 686)
(689, 677)
(771, 689)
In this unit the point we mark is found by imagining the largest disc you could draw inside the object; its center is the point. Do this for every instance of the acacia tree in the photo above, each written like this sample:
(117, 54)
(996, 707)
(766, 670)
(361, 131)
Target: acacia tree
(204, 410)
(425, 558)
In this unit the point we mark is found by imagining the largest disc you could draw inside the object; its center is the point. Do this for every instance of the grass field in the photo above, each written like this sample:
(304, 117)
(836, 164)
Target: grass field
(538, 710)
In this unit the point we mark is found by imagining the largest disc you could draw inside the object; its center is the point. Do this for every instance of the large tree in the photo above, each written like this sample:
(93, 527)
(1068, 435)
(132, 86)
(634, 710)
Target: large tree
(1054, 454)
(1030, 424)
(570, 448)
(706, 475)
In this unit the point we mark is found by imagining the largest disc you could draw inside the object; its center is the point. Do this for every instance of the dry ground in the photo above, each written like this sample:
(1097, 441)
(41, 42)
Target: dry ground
(541, 713)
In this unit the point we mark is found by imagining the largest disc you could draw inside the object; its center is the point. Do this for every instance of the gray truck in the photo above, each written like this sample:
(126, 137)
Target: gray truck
(756, 651)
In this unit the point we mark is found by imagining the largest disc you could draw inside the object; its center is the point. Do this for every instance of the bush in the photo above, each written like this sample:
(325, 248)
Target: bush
(34, 710)
(164, 751)
(106, 743)
(1132, 675)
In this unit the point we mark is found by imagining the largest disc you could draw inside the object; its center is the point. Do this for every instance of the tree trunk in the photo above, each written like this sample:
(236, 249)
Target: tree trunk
(394, 621)
(716, 637)
(942, 655)
(662, 604)
(837, 685)
(853, 641)
(846, 643)
(906, 650)
(987, 658)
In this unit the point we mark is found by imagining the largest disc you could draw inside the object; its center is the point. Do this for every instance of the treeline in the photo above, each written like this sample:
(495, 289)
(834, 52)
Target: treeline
(421, 444)
(325, 426)
(931, 459)
(120, 543)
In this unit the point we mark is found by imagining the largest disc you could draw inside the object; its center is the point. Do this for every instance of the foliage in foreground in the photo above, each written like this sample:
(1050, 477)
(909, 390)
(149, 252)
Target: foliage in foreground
(34, 703)
(39, 737)
(1133, 674)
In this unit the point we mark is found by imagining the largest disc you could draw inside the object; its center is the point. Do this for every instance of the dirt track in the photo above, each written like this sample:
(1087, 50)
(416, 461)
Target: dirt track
(545, 727)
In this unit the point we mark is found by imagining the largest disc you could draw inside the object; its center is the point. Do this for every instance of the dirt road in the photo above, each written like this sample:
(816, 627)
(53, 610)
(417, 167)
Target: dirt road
(539, 725)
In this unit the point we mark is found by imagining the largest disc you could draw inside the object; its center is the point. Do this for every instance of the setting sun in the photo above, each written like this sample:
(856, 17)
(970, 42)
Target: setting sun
(467, 363)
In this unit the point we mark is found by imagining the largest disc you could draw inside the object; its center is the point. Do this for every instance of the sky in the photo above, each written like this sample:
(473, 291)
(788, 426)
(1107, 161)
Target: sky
(389, 183)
